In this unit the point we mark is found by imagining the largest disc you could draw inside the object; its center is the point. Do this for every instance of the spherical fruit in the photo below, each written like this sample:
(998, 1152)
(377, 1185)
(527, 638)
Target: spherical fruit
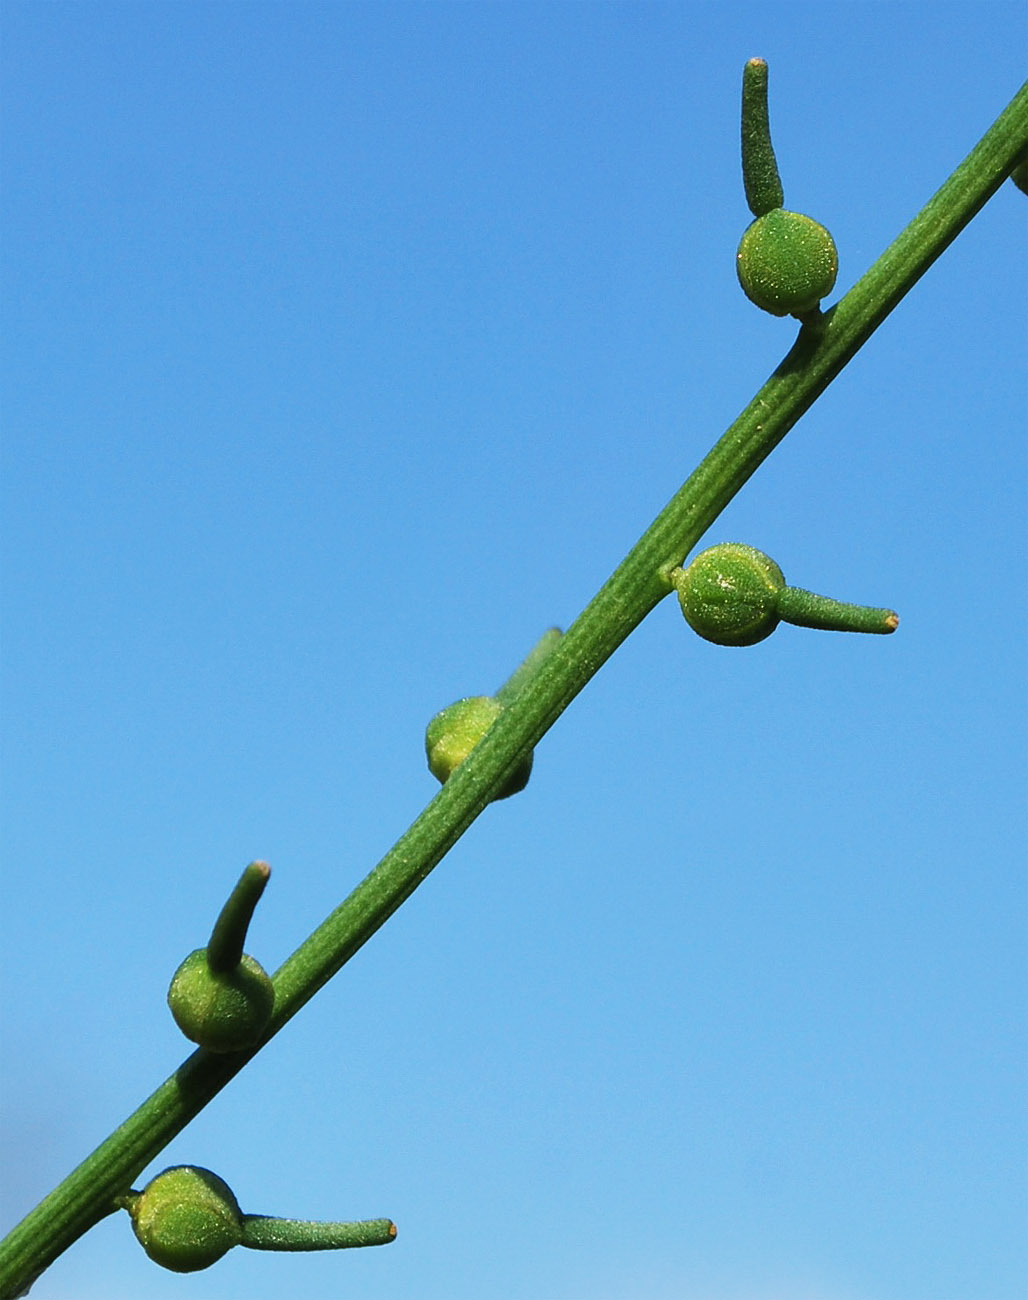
(224, 1011)
(729, 594)
(787, 263)
(186, 1218)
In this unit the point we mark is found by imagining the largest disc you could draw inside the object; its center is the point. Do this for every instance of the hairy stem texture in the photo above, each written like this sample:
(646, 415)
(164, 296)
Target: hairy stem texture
(821, 350)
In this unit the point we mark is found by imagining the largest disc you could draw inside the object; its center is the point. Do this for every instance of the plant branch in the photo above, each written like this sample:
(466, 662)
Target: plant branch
(823, 347)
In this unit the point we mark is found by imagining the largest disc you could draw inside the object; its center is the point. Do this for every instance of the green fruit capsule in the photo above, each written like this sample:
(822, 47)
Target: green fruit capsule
(733, 594)
(729, 594)
(221, 998)
(456, 730)
(787, 263)
(186, 1218)
(223, 1011)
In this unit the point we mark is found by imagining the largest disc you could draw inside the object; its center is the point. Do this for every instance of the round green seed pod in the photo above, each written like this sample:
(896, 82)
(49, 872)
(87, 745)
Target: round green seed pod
(455, 731)
(224, 1011)
(729, 594)
(186, 1218)
(787, 263)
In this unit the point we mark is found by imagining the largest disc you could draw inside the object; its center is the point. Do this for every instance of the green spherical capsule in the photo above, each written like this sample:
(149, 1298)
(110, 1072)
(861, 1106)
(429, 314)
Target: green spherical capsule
(787, 263)
(223, 1011)
(186, 1218)
(729, 594)
(455, 731)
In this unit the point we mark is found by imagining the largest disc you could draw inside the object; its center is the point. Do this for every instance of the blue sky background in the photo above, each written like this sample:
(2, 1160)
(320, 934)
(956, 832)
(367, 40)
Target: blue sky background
(348, 347)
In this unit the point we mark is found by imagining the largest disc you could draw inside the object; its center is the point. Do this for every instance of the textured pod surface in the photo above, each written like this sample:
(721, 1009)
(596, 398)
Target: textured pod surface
(186, 1218)
(729, 594)
(787, 262)
(224, 1011)
(455, 731)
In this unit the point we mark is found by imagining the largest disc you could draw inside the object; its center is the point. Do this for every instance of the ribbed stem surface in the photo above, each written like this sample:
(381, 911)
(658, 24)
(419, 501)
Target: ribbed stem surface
(821, 350)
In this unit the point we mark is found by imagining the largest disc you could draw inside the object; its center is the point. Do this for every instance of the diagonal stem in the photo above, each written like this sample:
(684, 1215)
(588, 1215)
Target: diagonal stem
(821, 350)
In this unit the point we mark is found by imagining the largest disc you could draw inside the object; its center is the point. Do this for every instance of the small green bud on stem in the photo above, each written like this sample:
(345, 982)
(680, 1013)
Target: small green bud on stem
(735, 595)
(221, 998)
(187, 1218)
(729, 594)
(225, 1011)
(786, 262)
(455, 731)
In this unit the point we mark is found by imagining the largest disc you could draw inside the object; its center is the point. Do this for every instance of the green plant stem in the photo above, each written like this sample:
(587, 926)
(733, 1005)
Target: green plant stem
(821, 350)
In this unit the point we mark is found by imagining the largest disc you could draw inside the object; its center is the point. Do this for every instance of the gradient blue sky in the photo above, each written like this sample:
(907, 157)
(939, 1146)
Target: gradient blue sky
(346, 348)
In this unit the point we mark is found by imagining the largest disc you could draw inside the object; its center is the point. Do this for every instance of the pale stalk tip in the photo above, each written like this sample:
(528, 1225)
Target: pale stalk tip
(225, 946)
(761, 181)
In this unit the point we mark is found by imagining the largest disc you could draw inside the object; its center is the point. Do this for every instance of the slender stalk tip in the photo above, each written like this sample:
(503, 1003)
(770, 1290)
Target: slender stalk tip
(761, 181)
(806, 609)
(261, 1232)
(225, 948)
